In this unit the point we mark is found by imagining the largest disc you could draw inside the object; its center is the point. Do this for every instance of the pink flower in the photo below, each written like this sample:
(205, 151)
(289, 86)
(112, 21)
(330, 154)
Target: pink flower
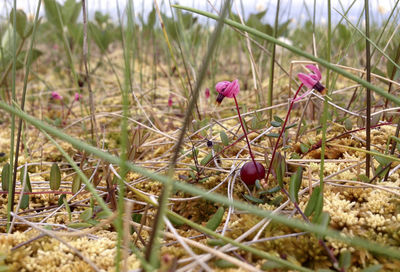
(56, 96)
(77, 97)
(207, 93)
(311, 81)
(170, 101)
(227, 89)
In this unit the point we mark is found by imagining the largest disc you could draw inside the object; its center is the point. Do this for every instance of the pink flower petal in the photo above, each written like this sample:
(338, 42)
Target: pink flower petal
(232, 89)
(313, 76)
(315, 70)
(221, 86)
(77, 97)
(303, 95)
(170, 101)
(307, 80)
(56, 96)
(207, 93)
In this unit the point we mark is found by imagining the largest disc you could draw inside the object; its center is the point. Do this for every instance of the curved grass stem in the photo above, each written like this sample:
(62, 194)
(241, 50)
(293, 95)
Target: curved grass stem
(217, 198)
(153, 248)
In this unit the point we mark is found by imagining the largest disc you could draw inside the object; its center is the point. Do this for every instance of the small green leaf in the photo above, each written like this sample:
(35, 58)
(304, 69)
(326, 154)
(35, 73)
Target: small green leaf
(277, 200)
(295, 156)
(92, 221)
(28, 186)
(345, 259)
(384, 172)
(304, 148)
(382, 160)
(216, 219)
(217, 148)
(324, 219)
(290, 126)
(24, 202)
(363, 178)
(215, 242)
(258, 185)
(221, 263)
(274, 189)
(35, 54)
(278, 119)
(224, 138)
(269, 265)
(55, 177)
(253, 199)
(206, 159)
(272, 135)
(175, 221)
(294, 185)
(318, 207)
(312, 203)
(60, 199)
(80, 225)
(195, 153)
(279, 166)
(103, 215)
(76, 184)
(21, 20)
(137, 217)
(256, 123)
(5, 175)
(348, 124)
(375, 119)
(86, 214)
(64, 199)
(373, 268)
(276, 124)
(203, 180)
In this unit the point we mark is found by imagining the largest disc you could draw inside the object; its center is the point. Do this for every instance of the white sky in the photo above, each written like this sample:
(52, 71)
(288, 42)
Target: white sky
(289, 8)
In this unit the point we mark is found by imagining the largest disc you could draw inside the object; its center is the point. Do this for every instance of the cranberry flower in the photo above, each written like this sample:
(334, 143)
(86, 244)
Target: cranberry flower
(56, 96)
(170, 101)
(207, 93)
(227, 89)
(311, 81)
(77, 97)
(251, 171)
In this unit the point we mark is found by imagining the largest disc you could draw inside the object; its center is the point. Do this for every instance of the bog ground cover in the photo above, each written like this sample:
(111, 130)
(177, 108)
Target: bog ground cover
(175, 138)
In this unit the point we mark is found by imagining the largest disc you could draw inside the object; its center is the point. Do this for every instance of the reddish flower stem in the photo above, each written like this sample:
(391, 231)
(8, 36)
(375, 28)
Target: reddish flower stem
(69, 109)
(245, 134)
(282, 130)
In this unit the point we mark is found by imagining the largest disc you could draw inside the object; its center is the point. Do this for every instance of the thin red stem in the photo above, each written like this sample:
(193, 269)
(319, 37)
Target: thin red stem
(282, 130)
(245, 134)
(69, 109)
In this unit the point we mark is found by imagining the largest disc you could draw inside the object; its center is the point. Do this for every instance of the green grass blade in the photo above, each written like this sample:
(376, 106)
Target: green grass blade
(217, 198)
(298, 51)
